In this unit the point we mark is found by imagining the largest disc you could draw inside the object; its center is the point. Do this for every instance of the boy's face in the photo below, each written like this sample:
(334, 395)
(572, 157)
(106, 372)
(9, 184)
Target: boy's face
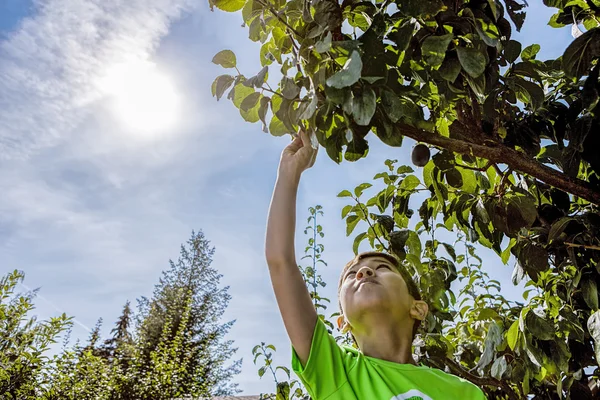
(372, 284)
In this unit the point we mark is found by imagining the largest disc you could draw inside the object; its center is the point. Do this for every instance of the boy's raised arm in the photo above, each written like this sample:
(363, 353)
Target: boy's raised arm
(298, 313)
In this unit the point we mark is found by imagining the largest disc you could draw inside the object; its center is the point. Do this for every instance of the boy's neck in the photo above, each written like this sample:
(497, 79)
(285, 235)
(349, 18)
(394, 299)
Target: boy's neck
(386, 342)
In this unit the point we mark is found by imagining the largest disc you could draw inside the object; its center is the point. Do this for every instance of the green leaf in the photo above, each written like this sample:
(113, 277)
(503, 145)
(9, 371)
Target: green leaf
(539, 327)
(358, 191)
(225, 58)
(558, 227)
(229, 5)
(420, 8)
(434, 49)
(499, 367)
(513, 335)
(289, 89)
(346, 209)
(578, 57)
(349, 74)
(363, 106)
(409, 183)
(512, 50)
(533, 94)
(391, 105)
(283, 391)
(221, 84)
(357, 240)
(344, 193)
(590, 293)
(402, 35)
(472, 60)
(307, 108)
(450, 68)
(593, 325)
(351, 223)
(324, 45)
(250, 101)
(492, 340)
(530, 52)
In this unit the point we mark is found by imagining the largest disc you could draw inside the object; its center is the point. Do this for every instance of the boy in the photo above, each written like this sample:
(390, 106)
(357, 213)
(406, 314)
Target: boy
(380, 307)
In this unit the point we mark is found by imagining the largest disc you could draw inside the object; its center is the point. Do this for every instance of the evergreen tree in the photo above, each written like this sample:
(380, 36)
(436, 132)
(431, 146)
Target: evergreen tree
(180, 326)
(121, 340)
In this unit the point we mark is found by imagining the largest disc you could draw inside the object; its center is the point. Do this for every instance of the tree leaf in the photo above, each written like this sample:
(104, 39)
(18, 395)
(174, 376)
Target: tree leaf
(530, 52)
(358, 191)
(499, 367)
(420, 8)
(450, 68)
(590, 293)
(289, 89)
(512, 50)
(229, 5)
(357, 240)
(363, 106)
(578, 57)
(593, 325)
(558, 227)
(434, 49)
(492, 340)
(221, 84)
(349, 74)
(307, 108)
(250, 101)
(225, 58)
(539, 327)
(472, 60)
(513, 335)
(351, 223)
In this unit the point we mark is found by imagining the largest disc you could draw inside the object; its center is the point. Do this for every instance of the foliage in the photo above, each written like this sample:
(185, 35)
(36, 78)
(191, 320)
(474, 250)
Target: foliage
(513, 165)
(543, 347)
(23, 340)
(187, 358)
(190, 283)
(443, 72)
(291, 388)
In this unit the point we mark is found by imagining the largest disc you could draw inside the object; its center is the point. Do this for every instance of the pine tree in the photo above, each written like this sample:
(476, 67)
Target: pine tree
(119, 344)
(180, 326)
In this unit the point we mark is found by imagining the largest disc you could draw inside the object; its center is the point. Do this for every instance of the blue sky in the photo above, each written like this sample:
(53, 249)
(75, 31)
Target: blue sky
(92, 210)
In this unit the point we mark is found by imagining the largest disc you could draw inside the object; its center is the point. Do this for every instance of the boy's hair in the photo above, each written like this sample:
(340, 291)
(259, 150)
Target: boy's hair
(413, 289)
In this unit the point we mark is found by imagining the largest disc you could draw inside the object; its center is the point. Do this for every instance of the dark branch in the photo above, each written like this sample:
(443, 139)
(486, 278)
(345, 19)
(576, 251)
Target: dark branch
(498, 153)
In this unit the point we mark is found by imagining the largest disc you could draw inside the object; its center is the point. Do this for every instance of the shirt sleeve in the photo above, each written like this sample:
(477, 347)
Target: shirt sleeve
(327, 366)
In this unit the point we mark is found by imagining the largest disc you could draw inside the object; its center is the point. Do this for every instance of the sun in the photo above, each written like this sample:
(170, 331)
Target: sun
(144, 98)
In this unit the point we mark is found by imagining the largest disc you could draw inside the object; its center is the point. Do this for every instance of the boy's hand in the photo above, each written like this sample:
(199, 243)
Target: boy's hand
(297, 156)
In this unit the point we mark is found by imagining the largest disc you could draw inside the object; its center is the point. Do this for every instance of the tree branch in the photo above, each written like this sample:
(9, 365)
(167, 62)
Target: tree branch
(497, 153)
(458, 370)
(276, 15)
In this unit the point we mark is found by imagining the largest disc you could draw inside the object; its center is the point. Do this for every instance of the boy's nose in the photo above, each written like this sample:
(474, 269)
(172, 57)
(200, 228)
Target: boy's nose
(364, 271)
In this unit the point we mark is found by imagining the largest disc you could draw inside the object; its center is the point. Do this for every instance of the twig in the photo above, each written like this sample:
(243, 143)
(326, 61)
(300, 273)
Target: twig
(369, 222)
(585, 246)
(488, 165)
(276, 15)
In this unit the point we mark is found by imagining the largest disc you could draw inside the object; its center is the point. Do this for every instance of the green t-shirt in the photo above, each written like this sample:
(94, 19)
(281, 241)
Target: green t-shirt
(335, 372)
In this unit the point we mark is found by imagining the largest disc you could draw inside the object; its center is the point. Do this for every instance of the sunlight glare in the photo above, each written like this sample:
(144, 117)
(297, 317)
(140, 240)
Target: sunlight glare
(145, 99)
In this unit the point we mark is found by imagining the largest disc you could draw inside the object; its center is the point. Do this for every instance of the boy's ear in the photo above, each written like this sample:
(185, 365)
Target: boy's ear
(343, 325)
(419, 310)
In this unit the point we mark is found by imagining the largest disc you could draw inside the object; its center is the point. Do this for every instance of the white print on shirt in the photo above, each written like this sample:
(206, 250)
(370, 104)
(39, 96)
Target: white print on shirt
(412, 395)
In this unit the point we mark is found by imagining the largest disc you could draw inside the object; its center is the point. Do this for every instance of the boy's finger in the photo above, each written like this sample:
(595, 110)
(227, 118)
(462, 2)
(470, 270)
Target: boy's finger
(304, 137)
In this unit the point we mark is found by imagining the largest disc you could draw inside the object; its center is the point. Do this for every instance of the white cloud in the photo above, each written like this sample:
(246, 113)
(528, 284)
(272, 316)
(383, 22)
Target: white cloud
(48, 67)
